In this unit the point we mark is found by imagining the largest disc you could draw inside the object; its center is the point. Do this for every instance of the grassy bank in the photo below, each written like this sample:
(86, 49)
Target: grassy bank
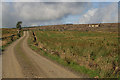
(6, 35)
(92, 53)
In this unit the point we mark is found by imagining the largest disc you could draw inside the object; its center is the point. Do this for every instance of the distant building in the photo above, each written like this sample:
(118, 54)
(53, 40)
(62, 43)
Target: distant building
(94, 25)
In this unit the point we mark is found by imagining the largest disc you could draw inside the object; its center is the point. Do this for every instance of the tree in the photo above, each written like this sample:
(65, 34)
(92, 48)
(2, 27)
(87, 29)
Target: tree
(18, 25)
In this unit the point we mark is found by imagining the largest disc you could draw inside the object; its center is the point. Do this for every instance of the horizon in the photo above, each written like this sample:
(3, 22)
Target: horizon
(54, 25)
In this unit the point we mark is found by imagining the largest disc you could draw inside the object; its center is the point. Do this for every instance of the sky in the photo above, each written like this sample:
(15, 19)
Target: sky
(0, 15)
(60, 0)
(53, 13)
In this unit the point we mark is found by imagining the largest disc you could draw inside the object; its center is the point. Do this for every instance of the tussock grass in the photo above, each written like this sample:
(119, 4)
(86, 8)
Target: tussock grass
(94, 53)
(7, 41)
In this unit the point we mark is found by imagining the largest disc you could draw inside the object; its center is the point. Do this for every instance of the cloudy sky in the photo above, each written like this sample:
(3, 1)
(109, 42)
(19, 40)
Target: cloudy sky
(50, 13)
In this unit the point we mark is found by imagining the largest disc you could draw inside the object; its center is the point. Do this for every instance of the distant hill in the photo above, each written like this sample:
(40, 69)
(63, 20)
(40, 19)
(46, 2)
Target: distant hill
(112, 27)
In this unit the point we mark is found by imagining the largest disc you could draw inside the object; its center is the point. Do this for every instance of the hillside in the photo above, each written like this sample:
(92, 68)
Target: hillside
(112, 27)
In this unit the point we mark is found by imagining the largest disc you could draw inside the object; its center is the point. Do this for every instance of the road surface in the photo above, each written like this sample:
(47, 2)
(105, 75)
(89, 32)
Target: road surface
(19, 61)
(0, 66)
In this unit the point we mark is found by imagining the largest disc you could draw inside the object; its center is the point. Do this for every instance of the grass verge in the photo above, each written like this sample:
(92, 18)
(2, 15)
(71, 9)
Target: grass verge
(74, 66)
(2, 48)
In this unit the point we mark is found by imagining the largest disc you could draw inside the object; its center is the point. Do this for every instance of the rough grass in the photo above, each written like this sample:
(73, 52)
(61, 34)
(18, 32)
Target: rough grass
(74, 66)
(8, 32)
(95, 53)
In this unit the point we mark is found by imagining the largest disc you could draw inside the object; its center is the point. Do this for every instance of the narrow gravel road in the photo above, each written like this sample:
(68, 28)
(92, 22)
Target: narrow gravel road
(0, 66)
(19, 61)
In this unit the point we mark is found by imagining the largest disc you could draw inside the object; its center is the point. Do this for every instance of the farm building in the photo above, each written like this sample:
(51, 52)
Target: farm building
(94, 25)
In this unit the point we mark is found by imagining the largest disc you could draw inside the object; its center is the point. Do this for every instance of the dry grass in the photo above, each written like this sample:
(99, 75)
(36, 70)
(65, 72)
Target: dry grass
(6, 37)
(93, 50)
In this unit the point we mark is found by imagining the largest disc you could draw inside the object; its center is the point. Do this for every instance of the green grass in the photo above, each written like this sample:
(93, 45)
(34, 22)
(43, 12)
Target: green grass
(100, 48)
(73, 65)
(9, 32)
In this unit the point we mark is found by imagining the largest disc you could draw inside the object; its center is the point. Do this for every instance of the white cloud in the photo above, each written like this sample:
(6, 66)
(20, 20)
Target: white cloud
(0, 14)
(34, 13)
(31, 12)
(86, 18)
(43, 11)
(60, 0)
(101, 15)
